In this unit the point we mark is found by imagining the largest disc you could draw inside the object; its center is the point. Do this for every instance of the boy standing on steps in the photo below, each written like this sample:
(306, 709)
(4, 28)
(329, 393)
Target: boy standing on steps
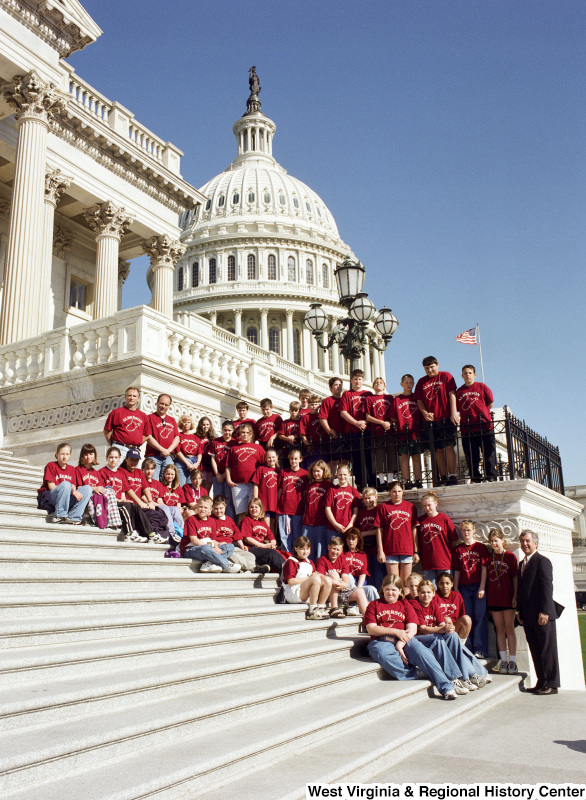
(436, 397)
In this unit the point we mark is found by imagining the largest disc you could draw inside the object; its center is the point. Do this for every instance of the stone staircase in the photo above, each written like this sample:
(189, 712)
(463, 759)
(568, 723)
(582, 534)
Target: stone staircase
(125, 675)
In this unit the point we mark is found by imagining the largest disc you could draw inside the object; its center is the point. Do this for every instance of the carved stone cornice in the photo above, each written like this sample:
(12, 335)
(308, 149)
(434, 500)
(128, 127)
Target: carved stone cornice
(32, 98)
(105, 219)
(55, 185)
(54, 23)
(163, 251)
(123, 271)
(62, 241)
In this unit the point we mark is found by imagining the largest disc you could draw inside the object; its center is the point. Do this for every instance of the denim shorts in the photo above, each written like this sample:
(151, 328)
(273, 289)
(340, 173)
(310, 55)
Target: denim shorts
(399, 560)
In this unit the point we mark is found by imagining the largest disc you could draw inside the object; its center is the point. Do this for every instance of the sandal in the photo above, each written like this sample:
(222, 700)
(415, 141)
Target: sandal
(337, 613)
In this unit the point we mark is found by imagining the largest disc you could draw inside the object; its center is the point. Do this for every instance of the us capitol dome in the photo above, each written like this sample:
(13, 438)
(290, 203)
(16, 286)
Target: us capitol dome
(260, 250)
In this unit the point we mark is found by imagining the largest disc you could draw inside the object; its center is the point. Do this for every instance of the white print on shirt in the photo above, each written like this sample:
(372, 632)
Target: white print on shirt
(405, 408)
(164, 430)
(432, 388)
(244, 453)
(469, 559)
(343, 500)
(292, 483)
(380, 406)
(502, 568)
(315, 494)
(389, 615)
(189, 446)
(270, 480)
(355, 403)
(467, 400)
(132, 423)
(397, 519)
(430, 530)
(448, 609)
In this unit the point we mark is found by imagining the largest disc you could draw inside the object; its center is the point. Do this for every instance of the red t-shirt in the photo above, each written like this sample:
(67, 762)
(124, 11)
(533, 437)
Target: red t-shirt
(365, 521)
(226, 530)
(243, 460)
(435, 535)
(330, 411)
(500, 588)
(267, 427)
(473, 405)
(172, 497)
(128, 427)
(291, 568)
(311, 427)
(396, 522)
(355, 404)
(266, 478)
(340, 565)
(290, 427)
(252, 422)
(469, 560)
(136, 480)
(408, 417)
(390, 615)
(380, 406)
(117, 480)
(88, 477)
(157, 489)
(190, 444)
(342, 501)
(357, 563)
(304, 411)
(292, 487)
(219, 449)
(430, 615)
(190, 495)
(434, 393)
(56, 474)
(200, 528)
(315, 502)
(162, 429)
(451, 606)
(256, 529)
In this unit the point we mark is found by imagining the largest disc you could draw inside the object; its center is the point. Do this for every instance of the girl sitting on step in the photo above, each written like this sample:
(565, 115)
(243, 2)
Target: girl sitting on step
(302, 584)
(135, 523)
(259, 539)
(158, 493)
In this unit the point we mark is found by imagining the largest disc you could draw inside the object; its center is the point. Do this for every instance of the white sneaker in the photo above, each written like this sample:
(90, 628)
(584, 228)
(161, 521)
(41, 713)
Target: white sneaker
(450, 695)
(472, 687)
(353, 611)
(207, 566)
(232, 568)
(479, 680)
(459, 687)
(135, 536)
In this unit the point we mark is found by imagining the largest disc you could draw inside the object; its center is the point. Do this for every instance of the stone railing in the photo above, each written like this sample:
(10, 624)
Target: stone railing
(199, 350)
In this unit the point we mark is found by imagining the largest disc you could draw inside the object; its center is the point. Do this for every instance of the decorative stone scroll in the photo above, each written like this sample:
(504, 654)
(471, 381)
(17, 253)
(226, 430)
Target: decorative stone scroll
(62, 241)
(32, 98)
(105, 219)
(55, 185)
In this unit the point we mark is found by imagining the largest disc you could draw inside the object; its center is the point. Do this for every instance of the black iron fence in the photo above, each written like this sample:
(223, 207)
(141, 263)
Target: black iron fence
(446, 454)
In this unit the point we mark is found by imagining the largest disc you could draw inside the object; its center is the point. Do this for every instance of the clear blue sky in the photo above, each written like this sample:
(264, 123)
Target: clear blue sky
(446, 137)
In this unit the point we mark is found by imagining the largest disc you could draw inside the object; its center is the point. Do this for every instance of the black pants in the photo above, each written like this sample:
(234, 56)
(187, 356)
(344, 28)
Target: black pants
(476, 445)
(134, 517)
(542, 641)
(266, 555)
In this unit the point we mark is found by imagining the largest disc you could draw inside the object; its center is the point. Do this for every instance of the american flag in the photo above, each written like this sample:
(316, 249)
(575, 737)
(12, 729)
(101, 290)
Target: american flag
(467, 337)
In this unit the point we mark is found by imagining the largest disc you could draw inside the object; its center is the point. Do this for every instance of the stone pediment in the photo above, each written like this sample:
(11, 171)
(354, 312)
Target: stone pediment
(65, 24)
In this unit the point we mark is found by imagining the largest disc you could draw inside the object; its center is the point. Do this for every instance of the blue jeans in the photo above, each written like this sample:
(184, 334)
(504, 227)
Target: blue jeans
(385, 654)
(370, 592)
(467, 664)
(290, 527)
(66, 506)
(205, 552)
(318, 536)
(431, 574)
(173, 516)
(223, 490)
(184, 471)
(476, 610)
(161, 462)
(440, 647)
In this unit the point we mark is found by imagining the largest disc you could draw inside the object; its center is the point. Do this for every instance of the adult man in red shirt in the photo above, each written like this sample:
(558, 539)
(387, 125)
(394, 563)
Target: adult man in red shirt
(162, 435)
(125, 425)
(436, 398)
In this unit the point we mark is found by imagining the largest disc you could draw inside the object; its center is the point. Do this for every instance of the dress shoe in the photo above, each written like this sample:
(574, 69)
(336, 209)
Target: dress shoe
(534, 689)
(546, 690)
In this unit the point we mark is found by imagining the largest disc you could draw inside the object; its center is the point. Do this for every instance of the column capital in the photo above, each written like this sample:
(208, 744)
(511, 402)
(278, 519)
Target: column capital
(289, 312)
(107, 219)
(163, 251)
(123, 271)
(32, 98)
(264, 312)
(238, 311)
(55, 185)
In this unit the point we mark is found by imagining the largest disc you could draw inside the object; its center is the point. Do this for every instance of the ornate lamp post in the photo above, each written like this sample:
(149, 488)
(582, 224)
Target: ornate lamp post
(351, 334)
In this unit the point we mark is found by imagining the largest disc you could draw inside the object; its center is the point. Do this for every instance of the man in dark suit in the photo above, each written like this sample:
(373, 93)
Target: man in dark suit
(537, 614)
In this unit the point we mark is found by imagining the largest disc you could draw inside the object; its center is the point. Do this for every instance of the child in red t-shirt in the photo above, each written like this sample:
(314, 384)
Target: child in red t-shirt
(365, 522)
(358, 570)
(409, 444)
(475, 401)
(342, 503)
(259, 539)
(451, 604)
(244, 419)
(269, 425)
(311, 430)
(189, 452)
(302, 584)
(501, 597)
(205, 432)
(470, 572)
(218, 452)
(173, 494)
(139, 484)
(396, 533)
(243, 460)
(437, 538)
(135, 523)
(291, 484)
(314, 516)
(59, 494)
(335, 566)
(265, 486)
(411, 586)
(199, 540)
(192, 491)
(436, 397)
(157, 494)
(228, 536)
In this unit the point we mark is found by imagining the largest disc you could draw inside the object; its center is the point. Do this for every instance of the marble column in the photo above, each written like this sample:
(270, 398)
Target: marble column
(110, 224)
(123, 273)
(164, 253)
(290, 345)
(55, 185)
(264, 331)
(238, 322)
(367, 368)
(23, 304)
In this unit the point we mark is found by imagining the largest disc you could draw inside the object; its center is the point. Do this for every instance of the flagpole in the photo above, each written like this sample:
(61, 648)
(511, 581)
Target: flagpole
(480, 351)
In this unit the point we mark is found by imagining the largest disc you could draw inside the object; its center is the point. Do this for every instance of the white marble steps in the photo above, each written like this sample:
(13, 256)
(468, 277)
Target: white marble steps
(369, 744)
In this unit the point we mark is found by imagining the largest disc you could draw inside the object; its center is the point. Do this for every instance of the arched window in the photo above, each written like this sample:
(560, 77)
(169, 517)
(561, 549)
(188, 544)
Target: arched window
(309, 272)
(251, 262)
(297, 346)
(235, 199)
(221, 200)
(325, 275)
(180, 280)
(282, 199)
(296, 202)
(195, 275)
(251, 197)
(267, 197)
(208, 205)
(291, 269)
(307, 206)
(252, 335)
(213, 271)
(231, 268)
(274, 340)
(272, 265)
